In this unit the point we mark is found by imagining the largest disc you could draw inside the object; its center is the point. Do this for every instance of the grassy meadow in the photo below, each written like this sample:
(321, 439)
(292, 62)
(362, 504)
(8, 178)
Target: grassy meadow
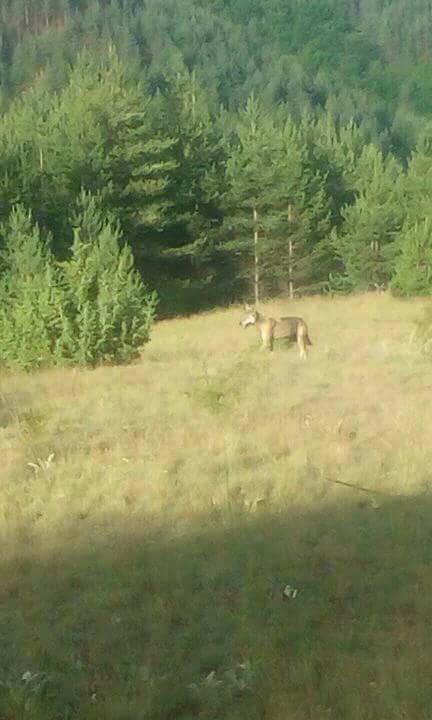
(152, 515)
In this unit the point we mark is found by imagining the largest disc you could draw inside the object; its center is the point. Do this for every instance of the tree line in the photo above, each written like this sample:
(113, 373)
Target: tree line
(217, 206)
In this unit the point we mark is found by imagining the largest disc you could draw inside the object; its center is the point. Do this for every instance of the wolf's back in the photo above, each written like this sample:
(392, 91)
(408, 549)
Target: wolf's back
(287, 327)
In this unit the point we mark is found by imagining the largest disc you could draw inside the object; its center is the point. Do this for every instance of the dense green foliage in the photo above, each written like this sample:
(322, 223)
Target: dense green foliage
(365, 59)
(89, 309)
(242, 148)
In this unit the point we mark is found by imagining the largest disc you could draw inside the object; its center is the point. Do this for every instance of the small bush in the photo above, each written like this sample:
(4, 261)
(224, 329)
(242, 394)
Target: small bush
(338, 284)
(31, 296)
(91, 309)
(110, 311)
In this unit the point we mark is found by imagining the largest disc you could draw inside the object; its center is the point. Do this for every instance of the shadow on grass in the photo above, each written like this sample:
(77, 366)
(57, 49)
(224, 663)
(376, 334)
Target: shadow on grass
(122, 621)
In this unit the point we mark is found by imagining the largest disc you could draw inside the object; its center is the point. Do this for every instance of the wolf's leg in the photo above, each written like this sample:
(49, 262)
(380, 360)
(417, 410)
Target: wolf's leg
(301, 343)
(267, 339)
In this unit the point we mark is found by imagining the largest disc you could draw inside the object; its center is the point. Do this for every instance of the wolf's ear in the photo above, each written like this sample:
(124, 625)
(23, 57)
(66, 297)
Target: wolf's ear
(248, 307)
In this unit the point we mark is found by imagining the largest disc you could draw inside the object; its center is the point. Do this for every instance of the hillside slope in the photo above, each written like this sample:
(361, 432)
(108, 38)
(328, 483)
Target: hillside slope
(152, 516)
(368, 60)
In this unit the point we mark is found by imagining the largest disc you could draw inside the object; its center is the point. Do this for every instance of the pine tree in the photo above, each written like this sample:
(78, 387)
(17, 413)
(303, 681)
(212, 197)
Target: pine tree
(413, 275)
(299, 255)
(140, 163)
(188, 251)
(413, 266)
(418, 181)
(366, 242)
(111, 311)
(115, 146)
(333, 152)
(31, 295)
(250, 212)
(276, 199)
(25, 158)
(89, 309)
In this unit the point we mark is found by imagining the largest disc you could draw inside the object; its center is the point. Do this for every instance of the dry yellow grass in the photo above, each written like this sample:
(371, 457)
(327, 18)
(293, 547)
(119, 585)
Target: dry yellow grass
(151, 515)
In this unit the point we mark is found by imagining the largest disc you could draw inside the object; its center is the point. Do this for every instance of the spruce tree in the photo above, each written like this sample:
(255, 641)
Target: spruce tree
(26, 150)
(250, 211)
(300, 248)
(333, 152)
(90, 309)
(276, 199)
(366, 241)
(111, 310)
(31, 296)
(413, 265)
(188, 253)
(418, 181)
(413, 275)
(140, 165)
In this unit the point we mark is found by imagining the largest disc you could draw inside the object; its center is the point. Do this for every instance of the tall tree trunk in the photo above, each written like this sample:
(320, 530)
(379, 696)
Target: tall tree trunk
(290, 258)
(193, 95)
(256, 259)
(193, 106)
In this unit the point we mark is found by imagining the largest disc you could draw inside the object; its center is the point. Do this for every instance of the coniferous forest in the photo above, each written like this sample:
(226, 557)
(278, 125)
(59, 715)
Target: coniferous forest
(215, 151)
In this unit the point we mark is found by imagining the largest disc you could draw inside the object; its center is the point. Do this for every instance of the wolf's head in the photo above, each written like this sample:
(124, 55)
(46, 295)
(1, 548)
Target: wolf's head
(251, 318)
